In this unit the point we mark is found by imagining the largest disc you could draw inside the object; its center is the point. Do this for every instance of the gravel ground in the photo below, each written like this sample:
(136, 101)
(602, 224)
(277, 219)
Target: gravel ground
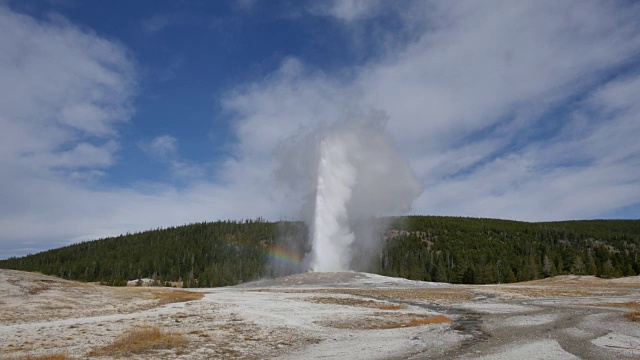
(327, 315)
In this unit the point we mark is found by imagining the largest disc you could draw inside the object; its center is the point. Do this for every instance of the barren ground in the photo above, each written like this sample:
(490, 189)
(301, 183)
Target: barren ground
(321, 315)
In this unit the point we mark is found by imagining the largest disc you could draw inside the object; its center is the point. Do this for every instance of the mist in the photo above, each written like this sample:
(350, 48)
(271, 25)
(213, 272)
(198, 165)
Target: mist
(346, 176)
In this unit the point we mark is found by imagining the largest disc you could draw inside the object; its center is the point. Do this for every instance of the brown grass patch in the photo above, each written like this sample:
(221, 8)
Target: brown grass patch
(633, 316)
(382, 321)
(438, 319)
(552, 291)
(355, 302)
(36, 288)
(432, 295)
(139, 340)
(438, 296)
(174, 296)
(584, 281)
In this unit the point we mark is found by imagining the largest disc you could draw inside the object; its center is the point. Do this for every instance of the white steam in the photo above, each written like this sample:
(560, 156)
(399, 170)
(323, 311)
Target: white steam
(331, 233)
(346, 173)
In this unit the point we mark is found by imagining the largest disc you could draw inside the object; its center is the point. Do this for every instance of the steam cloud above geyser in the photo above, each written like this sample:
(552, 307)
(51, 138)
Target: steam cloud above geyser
(346, 172)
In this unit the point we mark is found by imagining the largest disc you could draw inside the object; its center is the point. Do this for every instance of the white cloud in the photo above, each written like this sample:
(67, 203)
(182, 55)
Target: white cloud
(164, 147)
(491, 61)
(89, 118)
(588, 169)
(62, 89)
(467, 92)
(348, 10)
(62, 95)
(466, 88)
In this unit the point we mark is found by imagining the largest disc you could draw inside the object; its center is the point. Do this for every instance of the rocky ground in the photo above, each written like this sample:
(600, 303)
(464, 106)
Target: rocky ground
(321, 315)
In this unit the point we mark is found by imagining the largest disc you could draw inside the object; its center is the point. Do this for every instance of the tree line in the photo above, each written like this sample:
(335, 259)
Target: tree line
(444, 249)
(481, 251)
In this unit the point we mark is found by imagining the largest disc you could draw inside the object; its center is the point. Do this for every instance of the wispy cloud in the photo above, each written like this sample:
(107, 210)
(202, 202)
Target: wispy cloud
(180, 16)
(244, 5)
(164, 149)
(348, 10)
(159, 22)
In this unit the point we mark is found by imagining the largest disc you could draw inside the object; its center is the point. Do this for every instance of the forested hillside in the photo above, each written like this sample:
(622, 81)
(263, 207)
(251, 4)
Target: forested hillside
(450, 249)
(479, 251)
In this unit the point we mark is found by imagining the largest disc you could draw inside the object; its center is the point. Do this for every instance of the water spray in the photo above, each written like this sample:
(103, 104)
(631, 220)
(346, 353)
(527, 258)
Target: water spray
(346, 172)
(331, 235)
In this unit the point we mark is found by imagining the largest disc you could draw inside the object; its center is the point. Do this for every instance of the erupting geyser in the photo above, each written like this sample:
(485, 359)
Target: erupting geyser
(331, 235)
(346, 172)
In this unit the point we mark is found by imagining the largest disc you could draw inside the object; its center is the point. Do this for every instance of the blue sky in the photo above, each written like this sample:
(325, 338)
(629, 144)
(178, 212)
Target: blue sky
(120, 116)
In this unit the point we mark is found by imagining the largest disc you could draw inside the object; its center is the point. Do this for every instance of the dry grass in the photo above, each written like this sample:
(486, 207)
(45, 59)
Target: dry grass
(382, 321)
(584, 281)
(355, 302)
(173, 296)
(139, 340)
(432, 295)
(37, 289)
(438, 319)
(633, 316)
(558, 291)
(438, 296)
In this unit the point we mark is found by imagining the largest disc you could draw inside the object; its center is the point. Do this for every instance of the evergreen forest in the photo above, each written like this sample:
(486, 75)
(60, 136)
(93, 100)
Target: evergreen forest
(431, 248)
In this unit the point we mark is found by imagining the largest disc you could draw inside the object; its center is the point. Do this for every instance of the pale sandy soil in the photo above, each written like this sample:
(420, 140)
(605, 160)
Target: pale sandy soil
(328, 316)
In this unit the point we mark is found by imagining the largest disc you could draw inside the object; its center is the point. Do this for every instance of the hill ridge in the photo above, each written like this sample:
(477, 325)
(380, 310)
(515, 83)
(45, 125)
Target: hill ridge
(428, 248)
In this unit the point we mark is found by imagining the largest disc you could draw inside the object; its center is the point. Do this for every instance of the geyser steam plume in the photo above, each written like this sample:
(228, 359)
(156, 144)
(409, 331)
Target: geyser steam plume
(346, 172)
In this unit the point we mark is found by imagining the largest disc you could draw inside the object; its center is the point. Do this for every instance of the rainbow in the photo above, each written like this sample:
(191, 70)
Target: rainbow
(277, 254)
(283, 255)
